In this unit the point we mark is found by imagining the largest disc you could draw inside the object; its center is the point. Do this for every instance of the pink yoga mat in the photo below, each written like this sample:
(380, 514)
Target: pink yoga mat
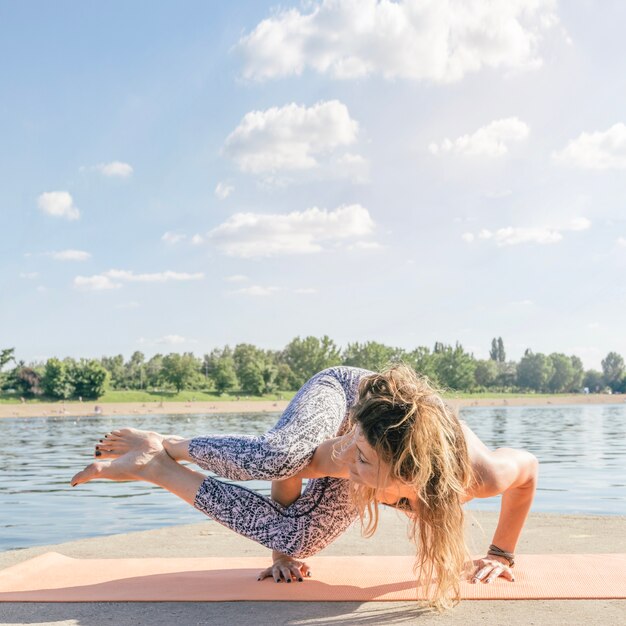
(53, 577)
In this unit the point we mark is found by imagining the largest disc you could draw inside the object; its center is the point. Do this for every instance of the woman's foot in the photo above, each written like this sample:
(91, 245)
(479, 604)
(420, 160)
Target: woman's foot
(119, 442)
(142, 462)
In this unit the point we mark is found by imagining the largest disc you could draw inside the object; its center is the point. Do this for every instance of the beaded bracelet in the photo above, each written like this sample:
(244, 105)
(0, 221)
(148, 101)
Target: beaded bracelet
(495, 551)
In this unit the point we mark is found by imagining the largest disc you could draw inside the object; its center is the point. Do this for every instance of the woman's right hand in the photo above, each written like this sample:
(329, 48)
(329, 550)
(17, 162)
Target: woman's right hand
(285, 568)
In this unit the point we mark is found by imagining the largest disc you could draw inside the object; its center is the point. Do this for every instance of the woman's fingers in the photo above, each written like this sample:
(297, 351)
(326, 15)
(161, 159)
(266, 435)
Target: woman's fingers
(494, 573)
(287, 570)
(266, 573)
(488, 571)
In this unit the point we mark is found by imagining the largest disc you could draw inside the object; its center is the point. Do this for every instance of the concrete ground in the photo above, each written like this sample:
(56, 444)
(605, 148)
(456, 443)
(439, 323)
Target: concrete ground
(543, 534)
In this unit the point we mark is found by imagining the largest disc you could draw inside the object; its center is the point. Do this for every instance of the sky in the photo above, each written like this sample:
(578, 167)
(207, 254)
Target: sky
(182, 176)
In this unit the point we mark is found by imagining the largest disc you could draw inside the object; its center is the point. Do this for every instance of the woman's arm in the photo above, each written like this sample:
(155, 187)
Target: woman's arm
(513, 473)
(324, 463)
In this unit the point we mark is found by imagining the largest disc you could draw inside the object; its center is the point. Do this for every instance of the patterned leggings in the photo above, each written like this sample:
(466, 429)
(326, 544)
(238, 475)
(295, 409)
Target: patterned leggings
(323, 511)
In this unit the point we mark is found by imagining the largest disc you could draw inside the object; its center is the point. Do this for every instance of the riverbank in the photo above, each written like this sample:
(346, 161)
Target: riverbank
(543, 534)
(78, 409)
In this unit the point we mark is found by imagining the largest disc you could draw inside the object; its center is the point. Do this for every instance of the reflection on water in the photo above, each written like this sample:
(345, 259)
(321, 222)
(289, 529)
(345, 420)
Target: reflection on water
(582, 451)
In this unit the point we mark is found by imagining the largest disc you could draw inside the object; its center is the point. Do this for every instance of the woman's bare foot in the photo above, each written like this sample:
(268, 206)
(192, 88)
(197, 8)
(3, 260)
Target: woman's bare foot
(119, 442)
(139, 463)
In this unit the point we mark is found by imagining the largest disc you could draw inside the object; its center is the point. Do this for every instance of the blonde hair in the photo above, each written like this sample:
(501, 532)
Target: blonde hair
(403, 417)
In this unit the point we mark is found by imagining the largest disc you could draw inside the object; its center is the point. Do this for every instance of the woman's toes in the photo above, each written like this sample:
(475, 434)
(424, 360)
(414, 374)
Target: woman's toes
(93, 470)
(107, 454)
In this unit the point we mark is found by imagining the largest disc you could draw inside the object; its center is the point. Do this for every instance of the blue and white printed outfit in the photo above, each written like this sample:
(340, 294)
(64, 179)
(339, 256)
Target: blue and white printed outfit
(318, 412)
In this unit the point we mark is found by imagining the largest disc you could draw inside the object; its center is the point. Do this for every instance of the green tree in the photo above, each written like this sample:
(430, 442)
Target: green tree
(534, 371)
(562, 373)
(115, 366)
(56, 381)
(370, 355)
(613, 370)
(154, 372)
(507, 375)
(89, 378)
(224, 373)
(251, 364)
(578, 374)
(454, 367)
(26, 381)
(180, 371)
(486, 373)
(593, 380)
(423, 362)
(6, 355)
(497, 352)
(134, 374)
(284, 377)
(309, 356)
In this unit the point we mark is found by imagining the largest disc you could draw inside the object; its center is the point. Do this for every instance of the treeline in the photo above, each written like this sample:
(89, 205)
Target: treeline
(246, 369)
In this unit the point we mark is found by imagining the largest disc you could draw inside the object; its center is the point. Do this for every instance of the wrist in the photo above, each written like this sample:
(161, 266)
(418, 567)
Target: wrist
(508, 558)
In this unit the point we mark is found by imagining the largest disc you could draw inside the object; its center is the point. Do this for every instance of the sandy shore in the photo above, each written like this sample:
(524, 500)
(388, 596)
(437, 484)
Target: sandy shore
(77, 409)
(543, 534)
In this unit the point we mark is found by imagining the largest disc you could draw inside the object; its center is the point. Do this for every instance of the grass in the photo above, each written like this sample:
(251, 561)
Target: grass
(115, 396)
(489, 395)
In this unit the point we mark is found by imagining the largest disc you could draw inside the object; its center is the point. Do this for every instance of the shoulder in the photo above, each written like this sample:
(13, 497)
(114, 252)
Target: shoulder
(503, 469)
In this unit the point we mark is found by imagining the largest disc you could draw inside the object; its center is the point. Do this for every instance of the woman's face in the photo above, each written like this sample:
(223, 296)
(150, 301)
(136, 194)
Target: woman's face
(363, 463)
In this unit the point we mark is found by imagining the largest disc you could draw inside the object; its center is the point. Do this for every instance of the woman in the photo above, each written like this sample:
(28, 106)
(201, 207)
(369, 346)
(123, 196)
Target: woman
(390, 435)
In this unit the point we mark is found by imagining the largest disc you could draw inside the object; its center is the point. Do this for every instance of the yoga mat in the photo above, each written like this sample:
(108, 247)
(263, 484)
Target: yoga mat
(53, 577)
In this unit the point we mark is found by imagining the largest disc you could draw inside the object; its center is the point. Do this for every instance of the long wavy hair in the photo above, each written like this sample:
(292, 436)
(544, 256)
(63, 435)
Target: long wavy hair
(403, 417)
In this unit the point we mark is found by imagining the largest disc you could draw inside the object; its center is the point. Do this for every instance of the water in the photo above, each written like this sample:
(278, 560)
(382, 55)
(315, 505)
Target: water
(582, 451)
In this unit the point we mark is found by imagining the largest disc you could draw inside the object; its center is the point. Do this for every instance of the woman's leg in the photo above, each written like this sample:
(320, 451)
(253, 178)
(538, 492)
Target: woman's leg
(318, 517)
(148, 462)
(314, 415)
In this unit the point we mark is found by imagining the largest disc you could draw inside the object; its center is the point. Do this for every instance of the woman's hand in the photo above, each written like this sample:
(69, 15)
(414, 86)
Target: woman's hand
(285, 568)
(491, 567)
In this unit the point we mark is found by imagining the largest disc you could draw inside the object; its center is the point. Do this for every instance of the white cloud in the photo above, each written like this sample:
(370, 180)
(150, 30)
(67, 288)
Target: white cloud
(106, 279)
(300, 232)
(133, 304)
(95, 283)
(433, 40)
(172, 238)
(257, 290)
(365, 245)
(596, 151)
(115, 168)
(236, 278)
(305, 291)
(70, 255)
(158, 277)
(578, 223)
(171, 340)
(490, 140)
(58, 204)
(468, 237)
(290, 138)
(29, 275)
(223, 190)
(510, 236)
(196, 240)
(621, 241)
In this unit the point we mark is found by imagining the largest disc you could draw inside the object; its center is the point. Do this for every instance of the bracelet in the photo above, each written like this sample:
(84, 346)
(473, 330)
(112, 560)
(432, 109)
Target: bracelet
(495, 551)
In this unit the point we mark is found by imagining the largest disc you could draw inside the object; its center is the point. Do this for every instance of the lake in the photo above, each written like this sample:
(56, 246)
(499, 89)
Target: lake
(581, 449)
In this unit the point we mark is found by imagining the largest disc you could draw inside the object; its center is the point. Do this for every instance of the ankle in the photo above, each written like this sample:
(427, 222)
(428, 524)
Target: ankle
(173, 447)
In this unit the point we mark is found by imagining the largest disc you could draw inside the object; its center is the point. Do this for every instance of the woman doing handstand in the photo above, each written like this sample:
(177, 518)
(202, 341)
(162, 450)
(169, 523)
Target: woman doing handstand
(361, 439)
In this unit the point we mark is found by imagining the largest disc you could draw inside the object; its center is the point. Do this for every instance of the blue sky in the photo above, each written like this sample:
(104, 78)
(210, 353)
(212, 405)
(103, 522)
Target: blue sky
(179, 176)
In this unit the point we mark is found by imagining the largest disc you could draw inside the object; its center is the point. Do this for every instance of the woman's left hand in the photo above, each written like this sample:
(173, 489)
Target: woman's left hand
(491, 567)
